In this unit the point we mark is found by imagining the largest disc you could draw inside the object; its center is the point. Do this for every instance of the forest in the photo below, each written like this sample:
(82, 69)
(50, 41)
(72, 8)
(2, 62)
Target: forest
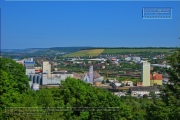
(76, 100)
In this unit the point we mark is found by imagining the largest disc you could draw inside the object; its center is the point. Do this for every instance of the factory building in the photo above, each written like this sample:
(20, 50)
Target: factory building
(61, 75)
(42, 79)
(47, 68)
(146, 73)
(29, 65)
(43, 76)
(47, 78)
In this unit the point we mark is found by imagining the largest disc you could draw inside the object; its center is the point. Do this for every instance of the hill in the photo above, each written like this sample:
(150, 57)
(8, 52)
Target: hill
(136, 50)
(84, 53)
(98, 51)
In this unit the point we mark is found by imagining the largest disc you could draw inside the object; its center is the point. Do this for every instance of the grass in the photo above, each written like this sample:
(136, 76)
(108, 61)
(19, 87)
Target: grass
(114, 51)
(84, 53)
(96, 52)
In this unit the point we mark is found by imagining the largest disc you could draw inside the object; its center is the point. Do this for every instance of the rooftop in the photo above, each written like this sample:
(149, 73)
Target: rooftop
(141, 88)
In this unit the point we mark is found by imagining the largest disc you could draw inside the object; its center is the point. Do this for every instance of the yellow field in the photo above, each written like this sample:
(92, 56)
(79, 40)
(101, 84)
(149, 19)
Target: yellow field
(84, 53)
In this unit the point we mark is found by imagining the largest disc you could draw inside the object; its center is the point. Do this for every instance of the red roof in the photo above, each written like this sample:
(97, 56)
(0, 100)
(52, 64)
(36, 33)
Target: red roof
(156, 77)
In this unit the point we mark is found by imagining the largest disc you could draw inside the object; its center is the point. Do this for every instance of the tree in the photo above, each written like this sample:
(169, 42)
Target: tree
(171, 92)
(13, 83)
(169, 107)
(17, 73)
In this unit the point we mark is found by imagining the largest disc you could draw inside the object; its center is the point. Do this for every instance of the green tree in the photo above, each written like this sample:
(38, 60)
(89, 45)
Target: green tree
(17, 73)
(171, 92)
(169, 107)
(13, 83)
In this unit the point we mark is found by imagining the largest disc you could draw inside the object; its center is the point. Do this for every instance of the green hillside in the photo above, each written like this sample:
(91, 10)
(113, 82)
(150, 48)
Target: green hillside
(134, 50)
(96, 52)
(84, 53)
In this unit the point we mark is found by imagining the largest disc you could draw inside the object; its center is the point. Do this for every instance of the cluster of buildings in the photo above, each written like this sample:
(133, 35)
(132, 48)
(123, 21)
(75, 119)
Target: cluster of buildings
(149, 83)
(137, 59)
(44, 76)
(149, 79)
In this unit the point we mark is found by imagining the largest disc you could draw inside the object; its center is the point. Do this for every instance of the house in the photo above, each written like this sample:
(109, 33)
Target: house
(155, 79)
(139, 83)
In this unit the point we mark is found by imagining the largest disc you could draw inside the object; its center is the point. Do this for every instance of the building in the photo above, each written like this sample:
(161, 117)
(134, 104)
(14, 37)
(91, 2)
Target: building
(127, 83)
(155, 79)
(97, 83)
(47, 78)
(86, 78)
(119, 94)
(96, 76)
(20, 62)
(160, 65)
(146, 73)
(128, 59)
(29, 65)
(91, 74)
(139, 83)
(47, 69)
(35, 80)
(38, 69)
(61, 75)
(140, 91)
(138, 59)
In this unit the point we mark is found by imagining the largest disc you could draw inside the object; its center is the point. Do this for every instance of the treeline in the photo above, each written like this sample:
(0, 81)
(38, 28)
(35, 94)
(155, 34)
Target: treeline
(76, 100)
(129, 48)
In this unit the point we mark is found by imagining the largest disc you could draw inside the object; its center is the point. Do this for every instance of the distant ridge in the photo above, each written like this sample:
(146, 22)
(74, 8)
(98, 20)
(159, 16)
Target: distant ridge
(132, 48)
(75, 49)
(95, 51)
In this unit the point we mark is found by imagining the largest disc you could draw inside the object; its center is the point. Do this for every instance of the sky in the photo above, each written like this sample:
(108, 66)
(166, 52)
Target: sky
(96, 24)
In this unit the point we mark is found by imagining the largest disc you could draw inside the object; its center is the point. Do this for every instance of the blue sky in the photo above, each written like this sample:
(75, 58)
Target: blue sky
(96, 24)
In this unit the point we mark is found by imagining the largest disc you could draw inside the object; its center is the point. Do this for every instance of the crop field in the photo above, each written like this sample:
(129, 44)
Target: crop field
(84, 53)
(96, 52)
(116, 51)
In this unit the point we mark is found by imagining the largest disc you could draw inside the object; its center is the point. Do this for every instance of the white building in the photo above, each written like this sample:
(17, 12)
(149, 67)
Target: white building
(146, 73)
(140, 91)
(35, 86)
(86, 79)
(138, 59)
(128, 58)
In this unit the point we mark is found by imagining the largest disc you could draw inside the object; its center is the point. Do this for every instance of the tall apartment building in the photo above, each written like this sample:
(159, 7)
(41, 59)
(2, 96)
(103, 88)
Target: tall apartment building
(47, 69)
(146, 73)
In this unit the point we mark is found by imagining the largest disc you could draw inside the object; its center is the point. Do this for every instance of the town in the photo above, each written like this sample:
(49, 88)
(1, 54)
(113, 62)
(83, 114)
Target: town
(89, 60)
(123, 75)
